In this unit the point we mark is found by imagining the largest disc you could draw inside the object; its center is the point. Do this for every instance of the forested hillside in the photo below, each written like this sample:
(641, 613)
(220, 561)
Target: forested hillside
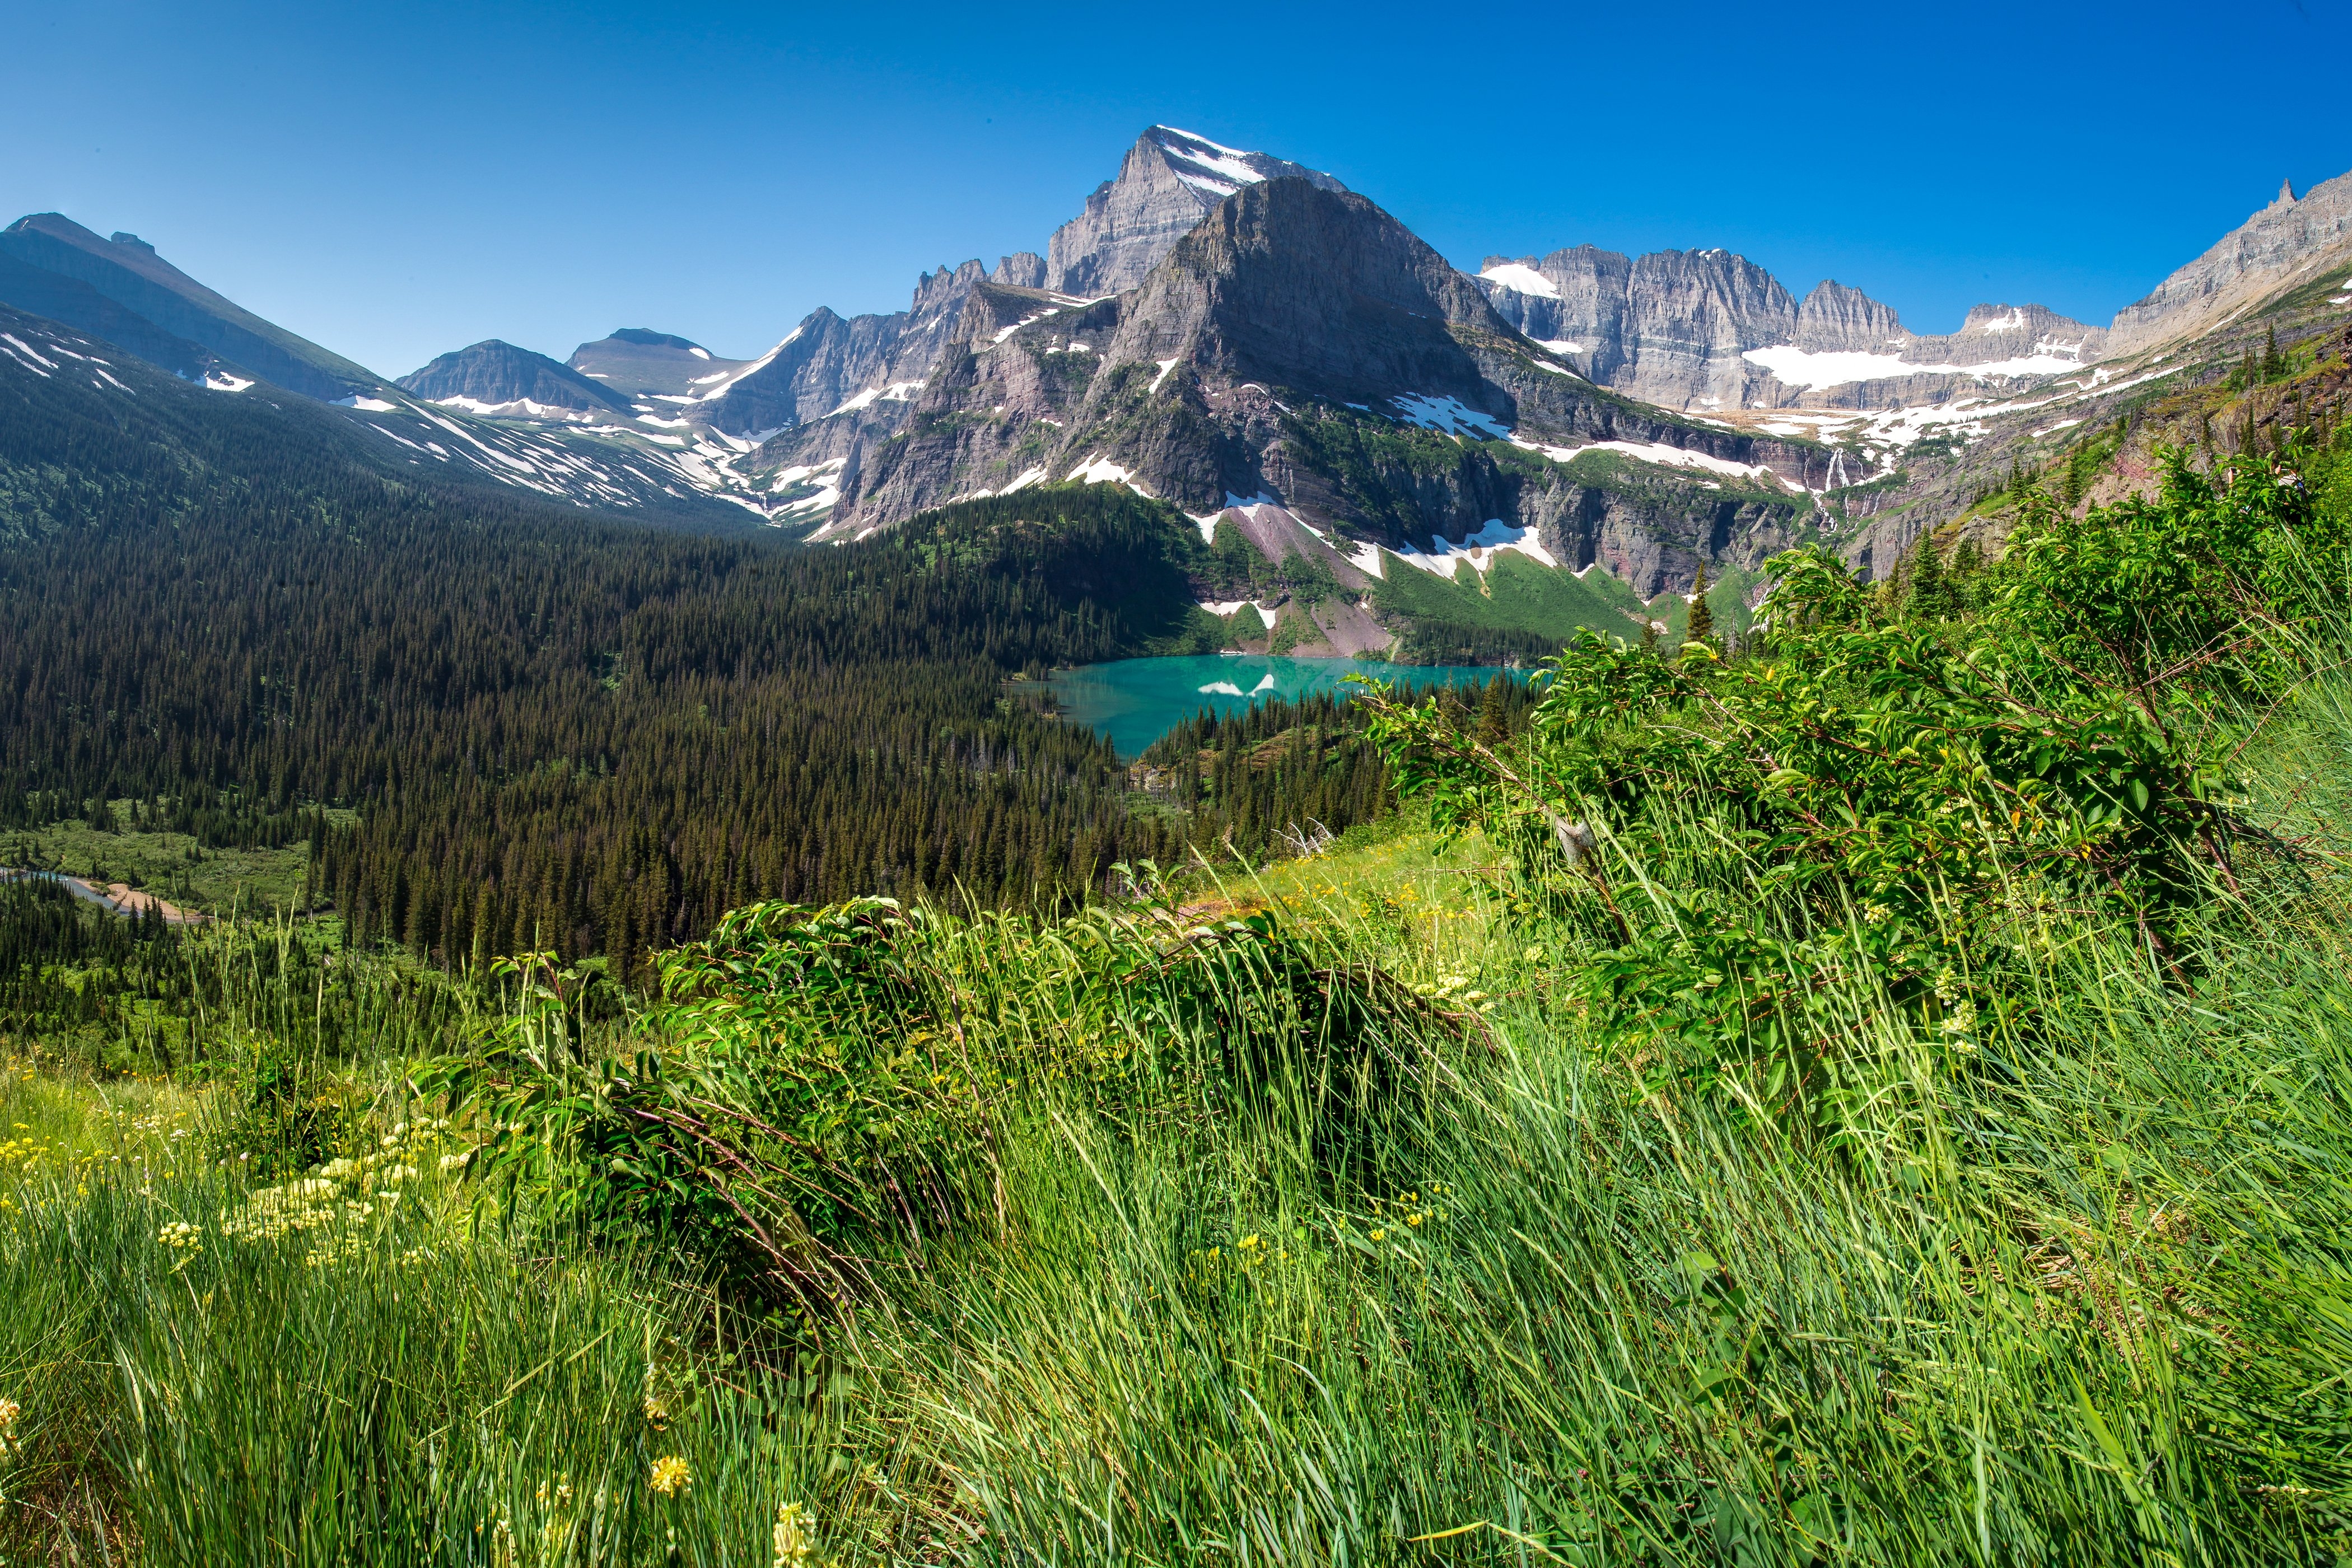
(558, 731)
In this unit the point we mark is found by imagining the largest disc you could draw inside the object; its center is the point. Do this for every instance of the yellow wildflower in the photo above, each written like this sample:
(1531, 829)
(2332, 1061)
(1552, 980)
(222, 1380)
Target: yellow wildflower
(671, 1476)
(792, 1538)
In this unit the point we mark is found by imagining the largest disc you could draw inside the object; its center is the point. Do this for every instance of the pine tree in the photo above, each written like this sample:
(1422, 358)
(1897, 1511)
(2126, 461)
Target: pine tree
(1967, 565)
(1700, 628)
(1930, 597)
(1494, 725)
(2274, 362)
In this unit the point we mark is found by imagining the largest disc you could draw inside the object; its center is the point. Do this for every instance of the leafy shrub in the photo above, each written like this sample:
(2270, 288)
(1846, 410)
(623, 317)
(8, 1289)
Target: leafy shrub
(821, 1093)
(1898, 806)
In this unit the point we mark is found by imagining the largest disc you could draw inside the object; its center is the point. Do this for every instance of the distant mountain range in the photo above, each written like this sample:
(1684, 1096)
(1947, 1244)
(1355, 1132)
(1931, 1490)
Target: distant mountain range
(1282, 360)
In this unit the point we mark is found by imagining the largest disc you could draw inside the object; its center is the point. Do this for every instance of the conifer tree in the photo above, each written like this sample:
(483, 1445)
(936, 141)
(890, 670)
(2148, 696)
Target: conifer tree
(1700, 628)
(1494, 724)
(1930, 597)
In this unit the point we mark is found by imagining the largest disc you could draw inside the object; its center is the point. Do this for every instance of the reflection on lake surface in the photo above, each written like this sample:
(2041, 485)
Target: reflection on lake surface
(1136, 700)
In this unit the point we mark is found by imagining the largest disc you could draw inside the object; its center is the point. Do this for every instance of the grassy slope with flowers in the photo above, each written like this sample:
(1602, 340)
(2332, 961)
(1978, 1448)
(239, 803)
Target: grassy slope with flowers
(1338, 1213)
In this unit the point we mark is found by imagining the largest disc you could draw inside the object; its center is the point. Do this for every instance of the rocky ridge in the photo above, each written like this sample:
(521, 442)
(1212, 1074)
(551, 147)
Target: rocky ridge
(1168, 181)
(637, 362)
(193, 330)
(1247, 338)
(1709, 330)
(2291, 241)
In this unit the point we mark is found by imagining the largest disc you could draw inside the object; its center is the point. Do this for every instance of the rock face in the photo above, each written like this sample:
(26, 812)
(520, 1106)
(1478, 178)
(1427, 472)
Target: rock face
(1835, 319)
(175, 309)
(1997, 334)
(1318, 291)
(1301, 349)
(837, 385)
(830, 363)
(1709, 330)
(1168, 180)
(2294, 240)
(1022, 269)
(497, 377)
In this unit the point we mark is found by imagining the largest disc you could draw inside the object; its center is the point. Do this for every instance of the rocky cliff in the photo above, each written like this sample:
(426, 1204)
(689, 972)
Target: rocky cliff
(1300, 348)
(837, 385)
(830, 363)
(1708, 330)
(2293, 240)
(636, 362)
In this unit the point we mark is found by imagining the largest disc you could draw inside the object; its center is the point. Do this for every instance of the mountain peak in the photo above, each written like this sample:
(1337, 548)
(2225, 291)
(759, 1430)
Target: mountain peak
(494, 376)
(1166, 184)
(2283, 243)
(126, 272)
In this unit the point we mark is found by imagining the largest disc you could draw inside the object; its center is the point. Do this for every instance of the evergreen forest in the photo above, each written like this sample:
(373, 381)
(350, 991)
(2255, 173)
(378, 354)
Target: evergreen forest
(543, 732)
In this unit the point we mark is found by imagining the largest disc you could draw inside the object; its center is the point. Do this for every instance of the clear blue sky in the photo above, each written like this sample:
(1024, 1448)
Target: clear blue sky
(396, 180)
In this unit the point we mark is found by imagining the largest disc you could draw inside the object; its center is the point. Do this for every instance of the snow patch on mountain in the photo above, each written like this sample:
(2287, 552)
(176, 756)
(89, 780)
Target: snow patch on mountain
(1099, 471)
(1659, 452)
(1449, 414)
(1818, 367)
(1481, 548)
(896, 392)
(1520, 277)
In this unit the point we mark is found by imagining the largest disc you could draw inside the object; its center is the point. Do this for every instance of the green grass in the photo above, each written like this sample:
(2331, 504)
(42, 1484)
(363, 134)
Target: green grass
(404, 1380)
(2075, 1296)
(1515, 594)
(174, 866)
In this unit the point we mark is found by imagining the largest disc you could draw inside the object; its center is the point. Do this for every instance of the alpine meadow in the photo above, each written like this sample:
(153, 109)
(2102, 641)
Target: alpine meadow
(576, 991)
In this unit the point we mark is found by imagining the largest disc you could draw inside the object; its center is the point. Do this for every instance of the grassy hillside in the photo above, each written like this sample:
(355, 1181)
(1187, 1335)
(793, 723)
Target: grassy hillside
(1518, 606)
(1885, 1103)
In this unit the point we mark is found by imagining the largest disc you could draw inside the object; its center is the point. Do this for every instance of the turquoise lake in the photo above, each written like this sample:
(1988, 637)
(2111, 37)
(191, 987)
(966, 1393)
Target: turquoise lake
(1134, 702)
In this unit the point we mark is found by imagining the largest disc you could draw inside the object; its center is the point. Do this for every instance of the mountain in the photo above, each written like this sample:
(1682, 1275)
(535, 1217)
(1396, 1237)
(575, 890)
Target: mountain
(175, 309)
(831, 365)
(1709, 330)
(861, 372)
(495, 377)
(2246, 342)
(575, 441)
(836, 386)
(2293, 240)
(1302, 375)
(65, 394)
(1167, 183)
(1310, 384)
(637, 362)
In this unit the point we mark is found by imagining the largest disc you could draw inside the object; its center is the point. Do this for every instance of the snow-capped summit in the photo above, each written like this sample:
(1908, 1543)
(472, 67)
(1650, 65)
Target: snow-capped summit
(1168, 179)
